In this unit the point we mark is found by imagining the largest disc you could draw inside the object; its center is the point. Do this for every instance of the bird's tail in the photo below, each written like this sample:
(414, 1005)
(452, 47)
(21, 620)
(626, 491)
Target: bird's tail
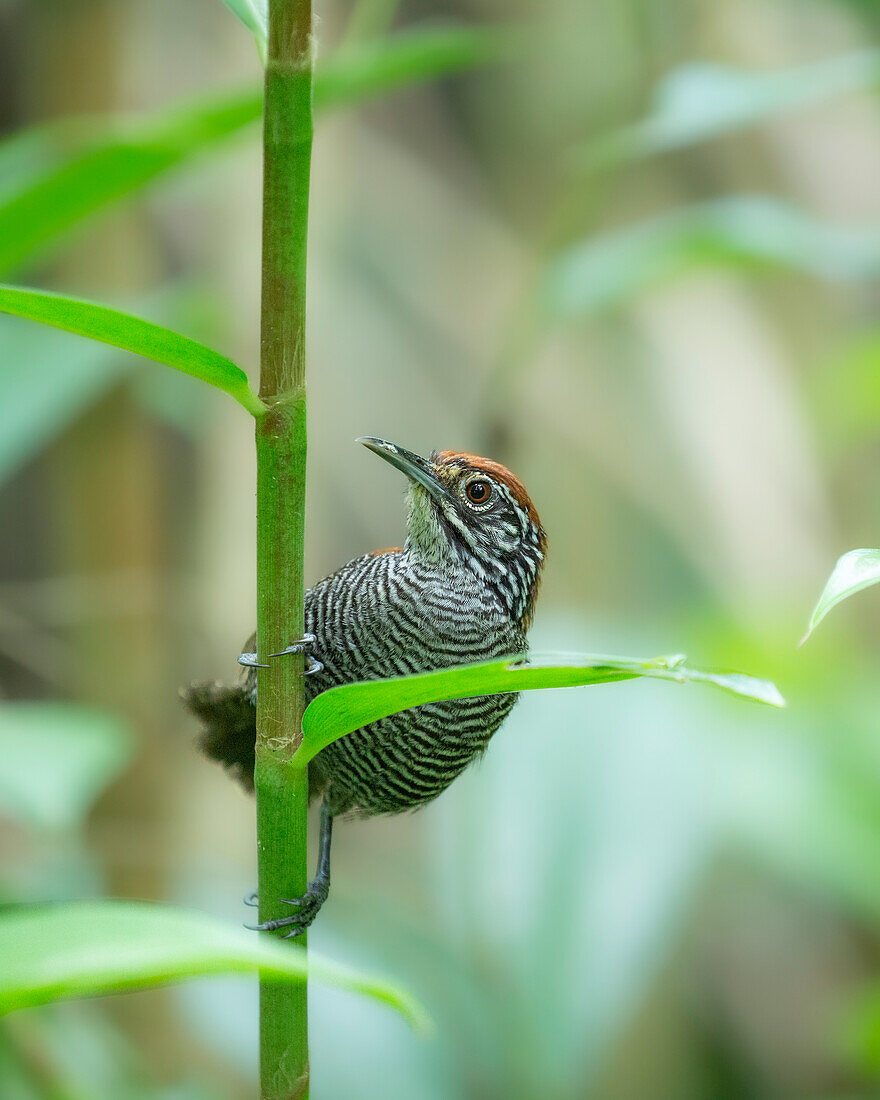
(230, 727)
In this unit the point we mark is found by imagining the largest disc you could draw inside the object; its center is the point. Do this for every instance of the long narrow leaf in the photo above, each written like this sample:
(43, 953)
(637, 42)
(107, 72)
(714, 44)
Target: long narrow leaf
(410, 57)
(751, 231)
(63, 377)
(62, 195)
(701, 101)
(24, 154)
(109, 168)
(122, 330)
(52, 952)
(854, 571)
(346, 708)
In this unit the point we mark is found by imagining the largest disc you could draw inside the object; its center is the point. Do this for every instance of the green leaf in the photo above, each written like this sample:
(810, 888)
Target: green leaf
(348, 707)
(255, 16)
(369, 68)
(854, 571)
(108, 168)
(857, 1033)
(370, 18)
(122, 330)
(65, 376)
(62, 377)
(55, 759)
(750, 231)
(844, 394)
(82, 948)
(703, 101)
(24, 154)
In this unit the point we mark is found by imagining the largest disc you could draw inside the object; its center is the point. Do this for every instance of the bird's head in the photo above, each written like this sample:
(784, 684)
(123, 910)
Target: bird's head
(472, 513)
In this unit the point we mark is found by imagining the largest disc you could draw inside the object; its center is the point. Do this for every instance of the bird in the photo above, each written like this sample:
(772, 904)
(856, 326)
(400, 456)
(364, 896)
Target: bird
(462, 589)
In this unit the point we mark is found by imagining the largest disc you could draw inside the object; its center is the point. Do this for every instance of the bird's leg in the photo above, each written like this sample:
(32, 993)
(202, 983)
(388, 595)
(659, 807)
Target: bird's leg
(301, 645)
(310, 903)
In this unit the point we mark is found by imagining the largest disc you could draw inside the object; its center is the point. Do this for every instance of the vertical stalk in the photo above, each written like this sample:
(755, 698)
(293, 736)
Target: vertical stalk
(282, 794)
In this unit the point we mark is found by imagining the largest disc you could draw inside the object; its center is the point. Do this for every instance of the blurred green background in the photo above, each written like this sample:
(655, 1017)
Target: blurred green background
(638, 261)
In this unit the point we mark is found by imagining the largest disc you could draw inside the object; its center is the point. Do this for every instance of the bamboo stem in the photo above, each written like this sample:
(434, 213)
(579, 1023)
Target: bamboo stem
(282, 793)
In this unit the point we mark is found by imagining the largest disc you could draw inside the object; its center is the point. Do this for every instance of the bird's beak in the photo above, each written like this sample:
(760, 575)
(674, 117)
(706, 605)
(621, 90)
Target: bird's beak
(414, 466)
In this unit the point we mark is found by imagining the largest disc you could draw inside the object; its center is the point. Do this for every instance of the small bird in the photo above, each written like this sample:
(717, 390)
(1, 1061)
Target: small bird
(462, 589)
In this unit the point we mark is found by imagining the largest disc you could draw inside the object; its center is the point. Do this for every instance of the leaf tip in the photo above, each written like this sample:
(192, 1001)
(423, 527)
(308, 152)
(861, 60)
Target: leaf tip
(418, 1017)
(766, 692)
(775, 698)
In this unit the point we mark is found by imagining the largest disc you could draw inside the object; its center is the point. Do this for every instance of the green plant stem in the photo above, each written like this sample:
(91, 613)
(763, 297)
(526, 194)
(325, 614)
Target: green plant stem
(282, 793)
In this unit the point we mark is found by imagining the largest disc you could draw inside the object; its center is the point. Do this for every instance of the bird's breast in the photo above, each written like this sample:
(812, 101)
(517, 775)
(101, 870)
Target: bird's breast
(385, 616)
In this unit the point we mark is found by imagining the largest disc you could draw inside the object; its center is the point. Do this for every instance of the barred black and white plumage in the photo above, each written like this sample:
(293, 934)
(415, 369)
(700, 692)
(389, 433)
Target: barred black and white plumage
(389, 615)
(462, 589)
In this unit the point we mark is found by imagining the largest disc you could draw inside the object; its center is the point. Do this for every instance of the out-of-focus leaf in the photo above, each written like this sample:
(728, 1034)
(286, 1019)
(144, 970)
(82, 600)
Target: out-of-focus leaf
(612, 837)
(79, 1046)
(372, 67)
(342, 710)
(81, 948)
(134, 334)
(844, 394)
(854, 571)
(23, 155)
(54, 379)
(859, 1031)
(65, 375)
(110, 167)
(703, 101)
(255, 16)
(55, 759)
(751, 231)
(370, 19)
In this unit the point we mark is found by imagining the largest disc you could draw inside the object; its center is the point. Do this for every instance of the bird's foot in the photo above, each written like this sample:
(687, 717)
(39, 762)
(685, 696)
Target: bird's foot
(308, 907)
(301, 645)
(249, 660)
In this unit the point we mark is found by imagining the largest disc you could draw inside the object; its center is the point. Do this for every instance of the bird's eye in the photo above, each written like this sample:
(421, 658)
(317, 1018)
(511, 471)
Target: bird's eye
(478, 492)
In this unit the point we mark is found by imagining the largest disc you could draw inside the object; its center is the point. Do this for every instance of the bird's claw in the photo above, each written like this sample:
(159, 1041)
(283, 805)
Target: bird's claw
(308, 907)
(249, 660)
(301, 645)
